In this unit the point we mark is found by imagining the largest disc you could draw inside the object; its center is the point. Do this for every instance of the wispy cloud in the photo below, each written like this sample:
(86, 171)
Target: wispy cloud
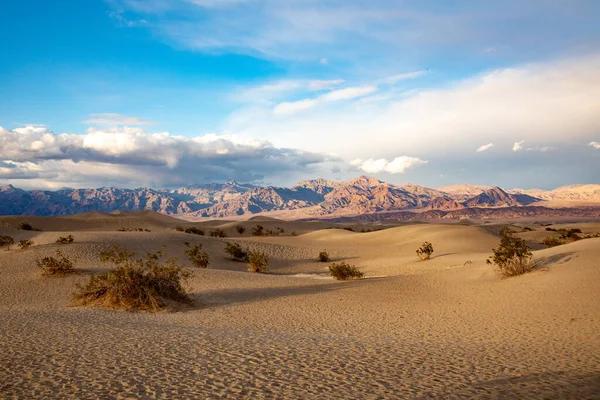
(485, 147)
(324, 84)
(112, 119)
(398, 165)
(518, 146)
(349, 93)
(595, 145)
(391, 80)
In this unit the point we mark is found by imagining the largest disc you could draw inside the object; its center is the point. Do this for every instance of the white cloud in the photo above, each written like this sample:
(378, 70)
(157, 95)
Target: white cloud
(391, 80)
(294, 106)
(324, 84)
(485, 147)
(595, 145)
(398, 165)
(349, 93)
(112, 119)
(518, 146)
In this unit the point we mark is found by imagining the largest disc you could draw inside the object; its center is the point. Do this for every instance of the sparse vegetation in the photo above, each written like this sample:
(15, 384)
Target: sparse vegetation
(513, 256)
(324, 256)
(257, 261)
(553, 241)
(425, 251)
(65, 240)
(344, 271)
(294, 233)
(135, 284)
(198, 257)
(179, 228)
(240, 229)
(258, 230)
(218, 233)
(236, 251)
(195, 231)
(136, 230)
(6, 241)
(527, 229)
(25, 226)
(25, 244)
(56, 266)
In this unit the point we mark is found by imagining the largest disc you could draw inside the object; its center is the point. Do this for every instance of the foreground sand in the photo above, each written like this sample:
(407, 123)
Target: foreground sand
(446, 328)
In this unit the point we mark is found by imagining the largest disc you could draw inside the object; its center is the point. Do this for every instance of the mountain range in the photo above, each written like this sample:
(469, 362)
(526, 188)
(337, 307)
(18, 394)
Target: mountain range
(318, 198)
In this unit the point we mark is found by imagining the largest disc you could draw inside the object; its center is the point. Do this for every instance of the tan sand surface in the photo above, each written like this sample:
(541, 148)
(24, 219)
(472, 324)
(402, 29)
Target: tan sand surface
(446, 328)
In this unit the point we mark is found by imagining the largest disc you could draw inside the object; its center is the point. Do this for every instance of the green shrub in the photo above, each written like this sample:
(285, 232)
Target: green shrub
(218, 233)
(55, 266)
(258, 230)
(240, 229)
(65, 240)
(344, 271)
(195, 231)
(198, 257)
(25, 244)
(258, 262)
(513, 256)
(135, 284)
(425, 251)
(323, 256)
(236, 252)
(6, 241)
(25, 226)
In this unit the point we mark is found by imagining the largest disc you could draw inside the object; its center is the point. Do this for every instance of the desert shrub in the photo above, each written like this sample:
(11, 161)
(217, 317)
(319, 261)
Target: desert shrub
(135, 284)
(25, 226)
(236, 252)
(570, 233)
(6, 241)
(324, 256)
(553, 241)
(195, 231)
(551, 229)
(240, 229)
(513, 256)
(527, 229)
(257, 261)
(258, 230)
(344, 271)
(294, 233)
(198, 257)
(55, 266)
(179, 228)
(218, 233)
(25, 244)
(425, 251)
(65, 240)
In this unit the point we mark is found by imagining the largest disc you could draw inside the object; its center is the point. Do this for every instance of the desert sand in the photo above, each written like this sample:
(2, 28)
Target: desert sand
(449, 327)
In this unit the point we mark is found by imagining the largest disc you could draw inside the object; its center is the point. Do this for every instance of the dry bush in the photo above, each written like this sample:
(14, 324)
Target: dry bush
(55, 266)
(294, 233)
(6, 241)
(65, 240)
(236, 251)
(240, 229)
(425, 251)
(324, 256)
(25, 244)
(135, 284)
(344, 271)
(258, 261)
(25, 226)
(552, 241)
(198, 257)
(179, 228)
(258, 230)
(218, 233)
(513, 256)
(195, 231)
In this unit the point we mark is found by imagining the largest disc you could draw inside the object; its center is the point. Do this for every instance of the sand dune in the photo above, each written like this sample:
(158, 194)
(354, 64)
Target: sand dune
(446, 328)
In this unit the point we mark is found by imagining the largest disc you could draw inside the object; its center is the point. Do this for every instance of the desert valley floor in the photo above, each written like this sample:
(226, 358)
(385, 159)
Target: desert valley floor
(449, 327)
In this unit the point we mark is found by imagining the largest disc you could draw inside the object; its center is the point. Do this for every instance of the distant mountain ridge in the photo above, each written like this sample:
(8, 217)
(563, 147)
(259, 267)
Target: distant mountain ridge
(318, 198)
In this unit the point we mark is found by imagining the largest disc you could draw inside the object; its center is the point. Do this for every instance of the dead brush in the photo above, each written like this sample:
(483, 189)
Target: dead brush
(135, 284)
(55, 266)
(344, 271)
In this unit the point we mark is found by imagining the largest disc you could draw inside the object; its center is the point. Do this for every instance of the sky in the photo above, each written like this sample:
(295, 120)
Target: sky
(169, 93)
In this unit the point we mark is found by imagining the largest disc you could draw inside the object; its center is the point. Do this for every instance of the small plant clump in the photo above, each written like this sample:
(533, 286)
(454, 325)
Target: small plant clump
(56, 266)
(553, 241)
(135, 230)
(179, 228)
(425, 251)
(258, 262)
(294, 233)
(6, 241)
(195, 231)
(65, 240)
(218, 233)
(258, 230)
(236, 251)
(198, 257)
(25, 244)
(513, 256)
(25, 226)
(240, 229)
(344, 271)
(135, 284)
(324, 256)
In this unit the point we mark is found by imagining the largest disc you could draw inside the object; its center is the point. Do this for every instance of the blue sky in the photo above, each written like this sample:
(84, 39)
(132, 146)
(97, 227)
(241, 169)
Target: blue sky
(174, 92)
